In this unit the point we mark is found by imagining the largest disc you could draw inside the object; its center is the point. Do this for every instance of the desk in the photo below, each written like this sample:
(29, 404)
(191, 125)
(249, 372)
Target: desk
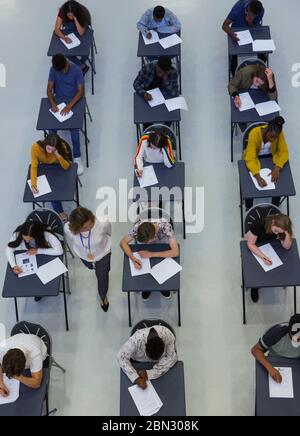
(156, 50)
(168, 179)
(144, 113)
(284, 187)
(86, 48)
(251, 115)
(287, 275)
(31, 286)
(266, 406)
(30, 401)
(64, 185)
(170, 388)
(260, 32)
(147, 283)
(47, 121)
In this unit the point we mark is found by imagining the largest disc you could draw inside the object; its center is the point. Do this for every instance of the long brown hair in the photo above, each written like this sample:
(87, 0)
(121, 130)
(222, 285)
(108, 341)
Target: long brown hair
(78, 10)
(281, 221)
(78, 218)
(55, 141)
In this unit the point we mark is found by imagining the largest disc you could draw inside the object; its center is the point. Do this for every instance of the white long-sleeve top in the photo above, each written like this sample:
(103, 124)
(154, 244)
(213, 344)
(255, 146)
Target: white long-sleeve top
(153, 155)
(99, 243)
(55, 248)
(135, 349)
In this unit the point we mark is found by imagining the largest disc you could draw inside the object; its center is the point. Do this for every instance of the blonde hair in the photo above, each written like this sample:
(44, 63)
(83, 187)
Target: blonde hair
(281, 221)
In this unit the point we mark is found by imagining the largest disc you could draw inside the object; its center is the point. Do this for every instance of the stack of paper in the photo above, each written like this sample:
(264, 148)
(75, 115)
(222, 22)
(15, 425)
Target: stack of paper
(164, 270)
(271, 254)
(146, 267)
(14, 388)
(176, 103)
(61, 118)
(245, 37)
(266, 174)
(51, 270)
(170, 41)
(42, 186)
(284, 389)
(264, 45)
(147, 401)
(148, 178)
(27, 263)
(157, 97)
(247, 102)
(269, 107)
(75, 41)
(153, 40)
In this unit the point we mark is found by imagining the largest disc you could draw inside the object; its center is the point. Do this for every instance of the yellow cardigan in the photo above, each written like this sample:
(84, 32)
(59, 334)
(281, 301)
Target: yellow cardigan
(39, 155)
(279, 150)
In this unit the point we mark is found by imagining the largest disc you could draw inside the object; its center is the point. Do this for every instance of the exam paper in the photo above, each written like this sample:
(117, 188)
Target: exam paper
(269, 251)
(42, 186)
(264, 45)
(176, 103)
(284, 389)
(247, 102)
(245, 37)
(157, 97)
(28, 264)
(148, 178)
(164, 270)
(269, 107)
(51, 270)
(146, 267)
(147, 401)
(14, 387)
(75, 41)
(170, 41)
(265, 173)
(61, 118)
(153, 40)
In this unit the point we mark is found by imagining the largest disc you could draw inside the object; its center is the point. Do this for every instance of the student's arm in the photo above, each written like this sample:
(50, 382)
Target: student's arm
(173, 252)
(4, 392)
(124, 244)
(272, 93)
(251, 153)
(174, 24)
(139, 157)
(235, 84)
(78, 96)
(50, 95)
(142, 24)
(168, 360)
(287, 242)
(169, 159)
(281, 156)
(55, 246)
(65, 164)
(259, 354)
(227, 29)
(80, 29)
(140, 83)
(34, 165)
(171, 85)
(33, 382)
(58, 26)
(251, 243)
(10, 253)
(124, 359)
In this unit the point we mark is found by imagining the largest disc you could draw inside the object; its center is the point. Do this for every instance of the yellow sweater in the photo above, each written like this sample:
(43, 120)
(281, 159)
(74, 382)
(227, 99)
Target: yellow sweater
(38, 155)
(279, 150)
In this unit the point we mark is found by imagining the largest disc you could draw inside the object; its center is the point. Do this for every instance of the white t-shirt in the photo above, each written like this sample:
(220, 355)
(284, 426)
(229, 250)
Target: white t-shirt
(265, 149)
(32, 346)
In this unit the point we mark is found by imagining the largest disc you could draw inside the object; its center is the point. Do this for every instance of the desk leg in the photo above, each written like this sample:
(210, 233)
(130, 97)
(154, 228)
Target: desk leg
(244, 299)
(295, 300)
(93, 69)
(268, 63)
(16, 309)
(232, 133)
(137, 133)
(179, 309)
(129, 310)
(179, 140)
(65, 302)
(241, 211)
(143, 62)
(86, 141)
(77, 193)
(178, 61)
(183, 218)
(288, 205)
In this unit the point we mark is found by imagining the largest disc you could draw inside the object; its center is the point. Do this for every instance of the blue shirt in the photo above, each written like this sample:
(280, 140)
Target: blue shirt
(66, 84)
(238, 15)
(169, 24)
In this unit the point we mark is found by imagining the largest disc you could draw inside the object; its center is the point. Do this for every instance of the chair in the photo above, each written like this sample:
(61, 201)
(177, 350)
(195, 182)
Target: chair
(154, 214)
(36, 329)
(165, 130)
(248, 131)
(151, 322)
(254, 214)
(250, 61)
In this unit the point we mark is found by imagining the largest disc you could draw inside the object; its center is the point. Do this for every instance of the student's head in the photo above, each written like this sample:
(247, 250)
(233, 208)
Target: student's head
(81, 220)
(259, 77)
(159, 13)
(254, 9)
(274, 129)
(146, 233)
(59, 62)
(155, 347)
(13, 364)
(157, 140)
(279, 224)
(72, 9)
(294, 330)
(163, 66)
(30, 231)
(53, 143)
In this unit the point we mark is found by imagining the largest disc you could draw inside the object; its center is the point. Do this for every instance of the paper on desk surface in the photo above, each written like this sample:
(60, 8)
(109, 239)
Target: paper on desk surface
(264, 45)
(31, 261)
(146, 267)
(148, 178)
(147, 401)
(266, 174)
(62, 118)
(170, 41)
(269, 251)
(284, 389)
(164, 270)
(176, 103)
(75, 41)
(269, 107)
(157, 97)
(51, 270)
(247, 102)
(42, 186)
(14, 390)
(153, 40)
(245, 37)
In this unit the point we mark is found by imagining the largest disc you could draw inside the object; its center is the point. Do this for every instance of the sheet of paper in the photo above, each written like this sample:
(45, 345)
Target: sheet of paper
(170, 41)
(146, 267)
(176, 103)
(157, 97)
(62, 118)
(153, 40)
(27, 263)
(42, 186)
(264, 45)
(75, 41)
(269, 107)
(286, 388)
(164, 270)
(51, 270)
(148, 178)
(247, 102)
(245, 37)
(14, 388)
(265, 173)
(147, 401)
(269, 251)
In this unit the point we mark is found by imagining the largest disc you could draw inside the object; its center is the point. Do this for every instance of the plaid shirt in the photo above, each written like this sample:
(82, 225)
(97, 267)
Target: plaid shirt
(146, 76)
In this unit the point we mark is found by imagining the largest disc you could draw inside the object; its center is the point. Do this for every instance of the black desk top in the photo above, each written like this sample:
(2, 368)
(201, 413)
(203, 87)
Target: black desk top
(47, 121)
(144, 113)
(251, 115)
(266, 406)
(57, 47)
(147, 282)
(260, 32)
(286, 275)
(284, 187)
(156, 50)
(170, 388)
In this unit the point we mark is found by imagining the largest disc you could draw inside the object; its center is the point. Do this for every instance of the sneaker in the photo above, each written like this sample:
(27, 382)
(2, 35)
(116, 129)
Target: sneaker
(254, 295)
(146, 296)
(166, 295)
(80, 168)
(37, 299)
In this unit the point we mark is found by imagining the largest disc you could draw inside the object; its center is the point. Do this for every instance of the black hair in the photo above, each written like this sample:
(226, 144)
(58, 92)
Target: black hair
(276, 125)
(55, 141)
(294, 320)
(34, 230)
(59, 62)
(155, 348)
(159, 12)
(158, 140)
(164, 63)
(255, 7)
(81, 13)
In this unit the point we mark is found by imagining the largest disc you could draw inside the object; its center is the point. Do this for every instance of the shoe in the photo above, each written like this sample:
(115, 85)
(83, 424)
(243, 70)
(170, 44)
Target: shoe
(146, 296)
(85, 69)
(37, 299)
(166, 295)
(254, 295)
(105, 307)
(80, 168)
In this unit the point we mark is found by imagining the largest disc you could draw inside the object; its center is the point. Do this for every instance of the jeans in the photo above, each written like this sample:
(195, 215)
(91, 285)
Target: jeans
(57, 206)
(80, 60)
(102, 268)
(75, 136)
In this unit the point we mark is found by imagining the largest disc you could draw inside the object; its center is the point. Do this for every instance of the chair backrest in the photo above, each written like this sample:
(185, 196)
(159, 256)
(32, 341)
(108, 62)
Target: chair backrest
(164, 130)
(151, 322)
(248, 131)
(256, 212)
(250, 61)
(49, 218)
(154, 214)
(28, 328)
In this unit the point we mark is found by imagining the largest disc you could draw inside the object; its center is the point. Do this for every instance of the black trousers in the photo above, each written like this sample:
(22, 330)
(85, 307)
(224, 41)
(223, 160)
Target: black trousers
(102, 269)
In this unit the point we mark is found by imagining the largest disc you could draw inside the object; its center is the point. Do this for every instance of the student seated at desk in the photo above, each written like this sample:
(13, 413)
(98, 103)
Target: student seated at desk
(155, 344)
(66, 84)
(146, 232)
(154, 148)
(265, 230)
(281, 340)
(159, 19)
(73, 17)
(52, 150)
(265, 142)
(18, 353)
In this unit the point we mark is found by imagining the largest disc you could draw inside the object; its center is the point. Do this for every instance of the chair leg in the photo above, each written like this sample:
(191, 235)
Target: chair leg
(54, 363)
(79, 181)
(95, 47)
(89, 113)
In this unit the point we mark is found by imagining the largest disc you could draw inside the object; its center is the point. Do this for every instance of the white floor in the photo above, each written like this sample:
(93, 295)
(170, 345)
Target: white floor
(212, 342)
